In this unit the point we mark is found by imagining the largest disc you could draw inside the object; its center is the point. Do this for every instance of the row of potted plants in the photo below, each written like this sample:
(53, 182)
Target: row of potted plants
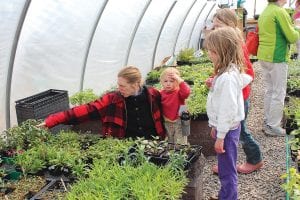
(107, 166)
(292, 124)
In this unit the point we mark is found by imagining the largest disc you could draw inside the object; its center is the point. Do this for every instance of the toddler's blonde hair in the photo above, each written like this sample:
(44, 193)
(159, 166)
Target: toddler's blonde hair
(168, 71)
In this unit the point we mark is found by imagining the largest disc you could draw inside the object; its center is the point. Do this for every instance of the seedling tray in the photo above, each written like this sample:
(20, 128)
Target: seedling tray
(163, 158)
(40, 105)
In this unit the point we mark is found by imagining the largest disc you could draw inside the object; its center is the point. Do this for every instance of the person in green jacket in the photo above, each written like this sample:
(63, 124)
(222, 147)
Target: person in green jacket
(276, 31)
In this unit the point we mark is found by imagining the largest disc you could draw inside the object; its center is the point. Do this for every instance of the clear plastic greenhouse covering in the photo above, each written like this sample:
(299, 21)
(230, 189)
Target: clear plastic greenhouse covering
(75, 45)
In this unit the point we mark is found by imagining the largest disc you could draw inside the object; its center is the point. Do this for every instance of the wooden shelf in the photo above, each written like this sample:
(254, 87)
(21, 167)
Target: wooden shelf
(251, 22)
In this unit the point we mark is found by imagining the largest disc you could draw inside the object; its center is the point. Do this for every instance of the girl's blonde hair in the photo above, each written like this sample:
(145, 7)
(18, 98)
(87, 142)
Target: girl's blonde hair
(131, 74)
(167, 71)
(228, 17)
(225, 42)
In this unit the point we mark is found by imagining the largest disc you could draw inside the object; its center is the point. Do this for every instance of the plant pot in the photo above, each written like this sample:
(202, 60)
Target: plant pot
(181, 63)
(13, 175)
(295, 92)
(252, 60)
(152, 81)
(200, 135)
(189, 82)
(6, 190)
(55, 170)
(8, 160)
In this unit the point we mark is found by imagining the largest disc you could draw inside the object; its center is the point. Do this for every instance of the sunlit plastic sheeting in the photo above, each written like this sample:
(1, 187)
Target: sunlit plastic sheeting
(251, 8)
(144, 42)
(170, 30)
(10, 12)
(207, 12)
(51, 47)
(110, 43)
(188, 25)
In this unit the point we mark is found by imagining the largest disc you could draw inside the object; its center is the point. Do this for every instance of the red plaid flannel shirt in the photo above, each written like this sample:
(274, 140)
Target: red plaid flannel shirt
(111, 110)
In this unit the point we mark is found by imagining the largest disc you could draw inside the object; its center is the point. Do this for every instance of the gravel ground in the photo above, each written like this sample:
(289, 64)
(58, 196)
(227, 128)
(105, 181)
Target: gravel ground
(265, 183)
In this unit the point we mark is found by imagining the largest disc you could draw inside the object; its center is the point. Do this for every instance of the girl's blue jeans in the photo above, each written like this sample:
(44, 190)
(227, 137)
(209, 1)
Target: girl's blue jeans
(250, 146)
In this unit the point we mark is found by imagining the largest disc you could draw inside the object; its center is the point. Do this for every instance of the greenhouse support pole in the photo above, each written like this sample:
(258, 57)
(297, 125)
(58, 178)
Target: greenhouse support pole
(194, 24)
(181, 25)
(254, 8)
(134, 32)
(205, 21)
(160, 31)
(12, 60)
(287, 163)
(90, 43)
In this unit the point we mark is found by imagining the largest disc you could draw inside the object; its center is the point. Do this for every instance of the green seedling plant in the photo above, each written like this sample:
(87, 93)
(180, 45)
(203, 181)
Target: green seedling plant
(83, 97)
(197, 100)
(153, 76)
(108, 149)
(152, 147)
(292, 184)
(30, 162)
(26, 136)
(186, 54)
(112, 181)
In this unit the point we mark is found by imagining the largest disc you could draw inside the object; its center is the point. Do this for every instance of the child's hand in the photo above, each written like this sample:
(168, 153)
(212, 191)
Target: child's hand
(176, 77)
(213, 133)
(219, 146)
(209, 81)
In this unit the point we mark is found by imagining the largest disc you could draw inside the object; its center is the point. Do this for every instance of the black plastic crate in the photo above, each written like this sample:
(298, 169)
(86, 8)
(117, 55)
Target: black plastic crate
(163, 158)
(40, 105)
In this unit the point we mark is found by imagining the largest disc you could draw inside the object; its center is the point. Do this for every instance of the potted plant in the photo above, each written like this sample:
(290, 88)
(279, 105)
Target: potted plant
(292, 185)
(83, 97)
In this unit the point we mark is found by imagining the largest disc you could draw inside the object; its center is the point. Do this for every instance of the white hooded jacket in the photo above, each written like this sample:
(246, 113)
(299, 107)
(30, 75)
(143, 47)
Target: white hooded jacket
(225, 103)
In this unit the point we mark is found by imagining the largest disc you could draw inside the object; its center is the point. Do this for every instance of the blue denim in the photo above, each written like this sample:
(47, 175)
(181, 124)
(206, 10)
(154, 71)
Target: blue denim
(227, 166)
(250, 146)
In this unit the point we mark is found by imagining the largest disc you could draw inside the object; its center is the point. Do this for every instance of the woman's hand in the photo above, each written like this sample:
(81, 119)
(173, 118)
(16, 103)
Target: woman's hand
(41, 125)
(219, 146)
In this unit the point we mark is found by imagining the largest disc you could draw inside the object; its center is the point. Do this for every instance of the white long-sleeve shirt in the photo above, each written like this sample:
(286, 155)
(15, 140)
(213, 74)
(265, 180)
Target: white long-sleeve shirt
(225, 104)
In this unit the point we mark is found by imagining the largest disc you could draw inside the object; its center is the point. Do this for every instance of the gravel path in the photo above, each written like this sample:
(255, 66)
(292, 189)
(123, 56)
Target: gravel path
(265, 183)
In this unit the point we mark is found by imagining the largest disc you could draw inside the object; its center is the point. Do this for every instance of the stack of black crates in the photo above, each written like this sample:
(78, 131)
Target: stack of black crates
(40, 105)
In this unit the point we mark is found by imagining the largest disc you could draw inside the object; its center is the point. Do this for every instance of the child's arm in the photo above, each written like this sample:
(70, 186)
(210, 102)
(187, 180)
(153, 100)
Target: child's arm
(219, 145)
(184, 88)
(228, 106)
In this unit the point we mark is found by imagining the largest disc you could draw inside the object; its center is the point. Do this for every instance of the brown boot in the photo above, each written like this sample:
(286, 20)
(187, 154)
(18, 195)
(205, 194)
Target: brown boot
(247, 168)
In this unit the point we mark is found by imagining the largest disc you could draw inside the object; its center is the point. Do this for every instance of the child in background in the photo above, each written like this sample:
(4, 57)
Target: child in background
(227, 17)
(225, 104)
(173, 95)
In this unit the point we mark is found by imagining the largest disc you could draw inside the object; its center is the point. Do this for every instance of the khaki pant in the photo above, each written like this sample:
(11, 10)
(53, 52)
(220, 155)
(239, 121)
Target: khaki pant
(174, 131)
(275, 79)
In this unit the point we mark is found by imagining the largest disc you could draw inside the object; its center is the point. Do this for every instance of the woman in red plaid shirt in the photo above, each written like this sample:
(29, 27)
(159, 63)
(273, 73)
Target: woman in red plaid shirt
(133, 110)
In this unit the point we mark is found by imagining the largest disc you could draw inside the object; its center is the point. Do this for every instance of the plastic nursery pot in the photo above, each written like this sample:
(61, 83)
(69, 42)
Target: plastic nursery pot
(8, 160)
(13, 176)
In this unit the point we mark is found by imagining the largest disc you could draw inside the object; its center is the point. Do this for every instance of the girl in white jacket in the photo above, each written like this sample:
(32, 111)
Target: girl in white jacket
(225, 104)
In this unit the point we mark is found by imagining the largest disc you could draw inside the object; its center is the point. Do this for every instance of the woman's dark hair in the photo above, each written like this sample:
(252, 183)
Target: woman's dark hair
(272, 1)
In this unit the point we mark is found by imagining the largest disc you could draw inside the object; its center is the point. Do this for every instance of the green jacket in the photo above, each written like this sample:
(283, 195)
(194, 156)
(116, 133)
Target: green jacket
(276, 31)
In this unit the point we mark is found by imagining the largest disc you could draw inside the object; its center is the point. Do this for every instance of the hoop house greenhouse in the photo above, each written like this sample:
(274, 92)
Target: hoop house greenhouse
(67, 47)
